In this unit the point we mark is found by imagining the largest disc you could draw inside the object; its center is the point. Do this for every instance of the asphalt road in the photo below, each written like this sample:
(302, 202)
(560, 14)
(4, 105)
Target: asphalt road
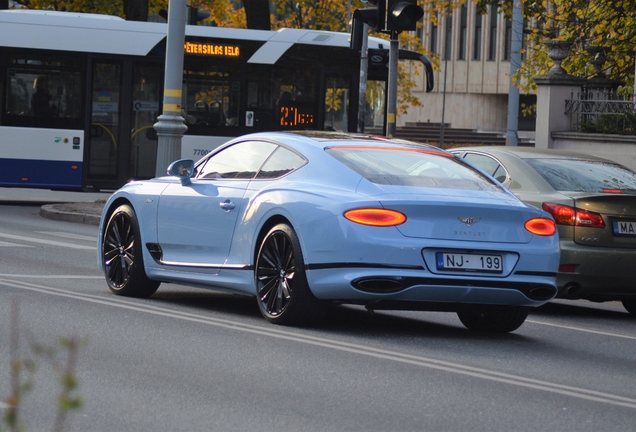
(193, 359)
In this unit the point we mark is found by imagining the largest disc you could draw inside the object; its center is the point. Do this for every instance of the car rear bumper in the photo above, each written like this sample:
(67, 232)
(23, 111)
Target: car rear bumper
(600, 274)
(368, 286)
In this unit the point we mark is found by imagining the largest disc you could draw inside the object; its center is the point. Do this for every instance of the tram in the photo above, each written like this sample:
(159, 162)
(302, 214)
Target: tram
(80, 93)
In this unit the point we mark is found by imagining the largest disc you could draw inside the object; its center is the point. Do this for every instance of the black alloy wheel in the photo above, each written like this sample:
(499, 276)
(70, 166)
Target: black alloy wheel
(122, 256)
(495, 319)
(282, 290)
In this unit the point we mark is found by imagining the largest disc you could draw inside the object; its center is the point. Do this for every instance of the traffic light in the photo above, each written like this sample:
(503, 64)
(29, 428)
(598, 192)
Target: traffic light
(373, 15)
(403, 15)
(195, 15)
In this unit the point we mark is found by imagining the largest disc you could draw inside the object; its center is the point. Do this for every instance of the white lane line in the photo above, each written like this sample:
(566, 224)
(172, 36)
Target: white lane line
(3, 405)
(14, 244)
(369, 351)
(49, 242)
(582, 329)
(69, 235)
(50, 276)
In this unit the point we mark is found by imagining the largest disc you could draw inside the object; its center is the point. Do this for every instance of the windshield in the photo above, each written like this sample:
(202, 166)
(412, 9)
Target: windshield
(412, 167)
(575, 175)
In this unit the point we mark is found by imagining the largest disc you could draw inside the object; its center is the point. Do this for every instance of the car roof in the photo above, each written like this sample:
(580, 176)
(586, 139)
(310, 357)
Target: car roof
(324, 139)
(532, 153)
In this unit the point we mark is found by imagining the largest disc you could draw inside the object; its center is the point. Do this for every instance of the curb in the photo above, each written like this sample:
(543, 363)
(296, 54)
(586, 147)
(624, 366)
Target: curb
(50, 212)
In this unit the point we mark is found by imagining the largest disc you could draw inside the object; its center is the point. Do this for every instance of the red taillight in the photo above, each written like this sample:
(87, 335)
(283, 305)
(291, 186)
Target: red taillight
(567, 268)
(541, 226)
(589, 219)
(375, 217)
(612, 191)
(566, 215)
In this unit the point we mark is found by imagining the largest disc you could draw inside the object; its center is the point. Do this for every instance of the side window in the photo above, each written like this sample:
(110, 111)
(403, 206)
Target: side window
(43, 92)
(283, 161)
(240, 161)
(488, 164)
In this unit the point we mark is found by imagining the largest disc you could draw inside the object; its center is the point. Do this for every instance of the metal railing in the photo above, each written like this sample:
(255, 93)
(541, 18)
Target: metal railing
(601, 111)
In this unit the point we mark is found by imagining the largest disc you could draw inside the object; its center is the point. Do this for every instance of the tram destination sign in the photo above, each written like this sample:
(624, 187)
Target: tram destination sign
(210, 49)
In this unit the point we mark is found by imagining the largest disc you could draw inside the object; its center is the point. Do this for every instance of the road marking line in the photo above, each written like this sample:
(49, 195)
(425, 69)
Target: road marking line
(430, 363)
(49, 242)
(50, 276)
(69, 235)
(581, 329)
(14, 244)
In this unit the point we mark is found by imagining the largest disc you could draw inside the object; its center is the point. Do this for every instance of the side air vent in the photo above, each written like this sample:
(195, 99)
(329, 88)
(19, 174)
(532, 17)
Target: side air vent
(155, 251)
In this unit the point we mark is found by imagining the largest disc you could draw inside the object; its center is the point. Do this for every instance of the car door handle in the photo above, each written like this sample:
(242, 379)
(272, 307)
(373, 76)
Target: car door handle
(227, 205)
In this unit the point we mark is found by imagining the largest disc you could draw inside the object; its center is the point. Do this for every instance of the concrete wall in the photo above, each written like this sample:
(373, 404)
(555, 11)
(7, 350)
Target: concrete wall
(618, 148)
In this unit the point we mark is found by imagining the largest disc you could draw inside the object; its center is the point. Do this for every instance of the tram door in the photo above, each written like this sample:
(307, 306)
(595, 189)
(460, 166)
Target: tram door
(103, 143)
(147, 79)
(122, 144)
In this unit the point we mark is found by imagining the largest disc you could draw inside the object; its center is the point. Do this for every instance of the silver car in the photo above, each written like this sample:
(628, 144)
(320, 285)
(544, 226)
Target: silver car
(592, 200)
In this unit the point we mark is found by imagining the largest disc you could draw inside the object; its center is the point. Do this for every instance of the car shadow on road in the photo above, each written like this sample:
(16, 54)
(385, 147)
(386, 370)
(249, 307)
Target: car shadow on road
(343, 320)
(583, 309)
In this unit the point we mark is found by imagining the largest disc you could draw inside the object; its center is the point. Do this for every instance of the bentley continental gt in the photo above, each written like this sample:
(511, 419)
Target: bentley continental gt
(301, 220)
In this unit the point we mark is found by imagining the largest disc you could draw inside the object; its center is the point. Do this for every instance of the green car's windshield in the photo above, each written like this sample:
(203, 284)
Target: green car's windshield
(576, 175)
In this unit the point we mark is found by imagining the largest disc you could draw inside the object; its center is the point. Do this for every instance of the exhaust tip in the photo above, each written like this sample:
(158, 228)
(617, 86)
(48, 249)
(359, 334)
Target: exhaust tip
(571, 290)
(545, 292)
(379, 285)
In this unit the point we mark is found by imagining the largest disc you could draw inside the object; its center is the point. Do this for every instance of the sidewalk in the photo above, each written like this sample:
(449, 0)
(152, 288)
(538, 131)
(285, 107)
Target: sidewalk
(80, 207)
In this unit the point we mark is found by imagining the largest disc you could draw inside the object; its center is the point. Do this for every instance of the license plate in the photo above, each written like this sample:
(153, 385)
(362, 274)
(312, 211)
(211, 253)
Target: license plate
(624, 228)
(469, 262)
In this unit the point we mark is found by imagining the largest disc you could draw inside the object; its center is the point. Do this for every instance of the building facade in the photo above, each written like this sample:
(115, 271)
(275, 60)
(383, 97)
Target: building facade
(471, 88)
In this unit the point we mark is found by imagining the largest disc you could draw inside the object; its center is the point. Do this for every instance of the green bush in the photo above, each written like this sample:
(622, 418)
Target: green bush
(614, 124)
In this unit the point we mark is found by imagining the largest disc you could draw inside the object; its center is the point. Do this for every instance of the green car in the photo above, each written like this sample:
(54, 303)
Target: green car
(593, 202)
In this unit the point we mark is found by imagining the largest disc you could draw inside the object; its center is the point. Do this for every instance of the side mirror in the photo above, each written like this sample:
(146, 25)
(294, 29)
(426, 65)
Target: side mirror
(182, 169)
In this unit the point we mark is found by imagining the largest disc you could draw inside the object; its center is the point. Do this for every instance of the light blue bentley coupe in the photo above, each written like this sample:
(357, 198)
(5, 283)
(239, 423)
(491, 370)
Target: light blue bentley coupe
(301, 220)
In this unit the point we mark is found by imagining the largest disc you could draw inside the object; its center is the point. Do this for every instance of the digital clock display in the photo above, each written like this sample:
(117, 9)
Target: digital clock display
(294, 115)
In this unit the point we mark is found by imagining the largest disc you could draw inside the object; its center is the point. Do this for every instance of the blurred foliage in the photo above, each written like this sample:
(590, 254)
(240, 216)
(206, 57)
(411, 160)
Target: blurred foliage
(24, 365)
(618, 124)
(594, 27)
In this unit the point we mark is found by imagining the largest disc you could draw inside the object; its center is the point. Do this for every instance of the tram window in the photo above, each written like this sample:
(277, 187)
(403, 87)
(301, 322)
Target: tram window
(210, 99)
(42, 95)
(337, 98)
(282, 98)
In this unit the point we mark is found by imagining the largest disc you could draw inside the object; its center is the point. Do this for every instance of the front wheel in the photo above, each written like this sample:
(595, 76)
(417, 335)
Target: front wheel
(122, 257)
(496, 319)
(630, 306)
(282, 290)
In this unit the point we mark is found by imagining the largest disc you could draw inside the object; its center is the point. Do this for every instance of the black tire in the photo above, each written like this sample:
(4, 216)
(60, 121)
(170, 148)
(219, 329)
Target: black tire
(282, 290)
(630, 306)
(122, 256)
(496, 319)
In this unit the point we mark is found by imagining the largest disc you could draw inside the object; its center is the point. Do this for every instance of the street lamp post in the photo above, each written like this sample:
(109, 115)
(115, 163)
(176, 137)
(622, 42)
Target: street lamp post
(170, 126)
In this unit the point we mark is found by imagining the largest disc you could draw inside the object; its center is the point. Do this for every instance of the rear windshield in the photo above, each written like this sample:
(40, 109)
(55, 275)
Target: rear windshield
(574, 175)
(412, 167)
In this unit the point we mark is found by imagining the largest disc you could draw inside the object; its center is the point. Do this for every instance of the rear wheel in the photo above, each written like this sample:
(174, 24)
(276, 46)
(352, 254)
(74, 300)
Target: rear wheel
(122, 257)
(282, 290)
(496, 319)
(630, 306)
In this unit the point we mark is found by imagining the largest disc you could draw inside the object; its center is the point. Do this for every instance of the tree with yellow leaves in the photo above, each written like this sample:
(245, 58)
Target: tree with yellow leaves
(602, 34)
